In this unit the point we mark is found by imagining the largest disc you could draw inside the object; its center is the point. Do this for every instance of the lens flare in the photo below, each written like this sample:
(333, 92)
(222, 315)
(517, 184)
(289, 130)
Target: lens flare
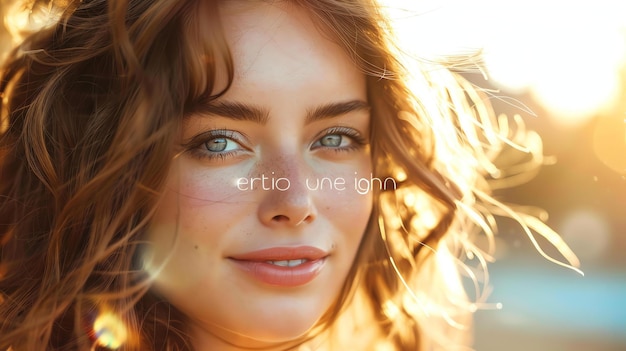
(587, 233)
(110, 331)
(21, 19)
(609, 142)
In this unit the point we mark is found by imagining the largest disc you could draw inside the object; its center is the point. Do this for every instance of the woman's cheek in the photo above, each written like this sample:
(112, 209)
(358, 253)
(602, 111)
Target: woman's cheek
(205, 187)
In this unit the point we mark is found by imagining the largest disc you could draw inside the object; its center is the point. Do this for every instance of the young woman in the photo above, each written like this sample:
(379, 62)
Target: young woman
(238, 175)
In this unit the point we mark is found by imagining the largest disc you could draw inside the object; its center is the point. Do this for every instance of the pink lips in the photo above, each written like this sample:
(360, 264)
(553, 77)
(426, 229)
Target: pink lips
(282, 266)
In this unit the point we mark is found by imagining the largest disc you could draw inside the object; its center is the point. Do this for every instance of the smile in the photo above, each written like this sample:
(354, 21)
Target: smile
(282, 266)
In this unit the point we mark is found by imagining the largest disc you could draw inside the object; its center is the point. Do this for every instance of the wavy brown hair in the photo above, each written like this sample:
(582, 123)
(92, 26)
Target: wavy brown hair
(91, 110)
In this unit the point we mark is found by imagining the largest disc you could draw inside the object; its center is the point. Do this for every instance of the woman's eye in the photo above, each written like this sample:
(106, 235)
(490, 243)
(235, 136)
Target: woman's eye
(333, 140)
(216, 144)
(220, 145)
(340, 139)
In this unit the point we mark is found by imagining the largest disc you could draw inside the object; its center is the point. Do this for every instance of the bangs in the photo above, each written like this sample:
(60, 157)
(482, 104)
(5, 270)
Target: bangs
(179, 47)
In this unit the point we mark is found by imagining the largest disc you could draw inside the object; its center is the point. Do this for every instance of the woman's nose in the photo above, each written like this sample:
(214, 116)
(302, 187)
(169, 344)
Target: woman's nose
(289, 202)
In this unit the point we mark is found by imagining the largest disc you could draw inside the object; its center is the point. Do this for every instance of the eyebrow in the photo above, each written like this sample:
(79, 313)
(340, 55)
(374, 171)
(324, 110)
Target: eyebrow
(235, 110)
(335, 109)
(248, 112)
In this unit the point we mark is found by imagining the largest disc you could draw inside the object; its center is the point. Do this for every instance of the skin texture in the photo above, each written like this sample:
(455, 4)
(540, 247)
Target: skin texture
(286, 67)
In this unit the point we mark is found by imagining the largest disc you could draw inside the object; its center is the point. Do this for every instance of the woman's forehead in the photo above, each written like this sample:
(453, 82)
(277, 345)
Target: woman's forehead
(278, 46)
(283, 30)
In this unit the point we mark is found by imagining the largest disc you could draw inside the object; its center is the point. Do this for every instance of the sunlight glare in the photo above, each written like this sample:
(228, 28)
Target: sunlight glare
(571, 69)
(110, 331)
(20, 20)
(568, 58)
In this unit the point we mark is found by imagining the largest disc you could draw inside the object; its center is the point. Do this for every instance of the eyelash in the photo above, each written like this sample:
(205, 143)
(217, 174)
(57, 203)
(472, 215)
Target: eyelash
(198, 149)
(358, 141)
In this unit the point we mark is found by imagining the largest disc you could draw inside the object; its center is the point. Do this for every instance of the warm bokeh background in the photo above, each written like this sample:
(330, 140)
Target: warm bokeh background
(561, 65)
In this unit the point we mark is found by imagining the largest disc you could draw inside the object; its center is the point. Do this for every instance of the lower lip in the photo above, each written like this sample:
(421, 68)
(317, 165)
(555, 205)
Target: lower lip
(282, 276)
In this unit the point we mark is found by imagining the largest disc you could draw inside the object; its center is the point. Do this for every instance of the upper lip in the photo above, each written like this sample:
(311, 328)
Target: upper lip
(282, 253)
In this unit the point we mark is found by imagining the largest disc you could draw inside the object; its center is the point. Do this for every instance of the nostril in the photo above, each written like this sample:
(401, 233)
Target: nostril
(280, 218)
(308, 219)
(287, 219)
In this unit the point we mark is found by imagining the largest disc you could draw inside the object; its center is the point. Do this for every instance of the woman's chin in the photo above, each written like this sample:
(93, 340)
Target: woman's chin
(275, 332)
(278, 331)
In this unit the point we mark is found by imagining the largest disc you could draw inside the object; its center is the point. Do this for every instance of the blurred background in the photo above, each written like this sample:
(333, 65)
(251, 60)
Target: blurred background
(562, 67)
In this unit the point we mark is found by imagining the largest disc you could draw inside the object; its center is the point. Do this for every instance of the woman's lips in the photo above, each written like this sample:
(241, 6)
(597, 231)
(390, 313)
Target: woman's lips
(282, 266)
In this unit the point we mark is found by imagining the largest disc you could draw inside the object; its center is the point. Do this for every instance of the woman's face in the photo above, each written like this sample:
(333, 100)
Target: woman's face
(261, 220)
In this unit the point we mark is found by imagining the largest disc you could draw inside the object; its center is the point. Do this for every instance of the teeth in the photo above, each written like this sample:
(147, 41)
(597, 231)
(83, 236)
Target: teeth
(287, 263)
